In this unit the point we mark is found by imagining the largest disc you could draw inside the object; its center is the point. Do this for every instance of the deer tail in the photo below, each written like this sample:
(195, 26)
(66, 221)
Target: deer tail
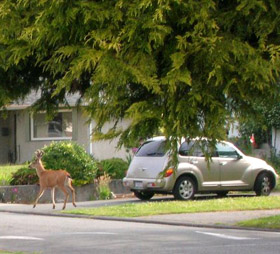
(68, 180)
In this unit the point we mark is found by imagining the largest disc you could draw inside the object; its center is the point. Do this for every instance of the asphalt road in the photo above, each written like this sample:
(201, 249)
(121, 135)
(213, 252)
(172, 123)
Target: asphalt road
(48, 234)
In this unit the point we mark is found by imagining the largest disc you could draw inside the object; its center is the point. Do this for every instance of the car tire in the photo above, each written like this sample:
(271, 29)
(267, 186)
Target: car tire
(263, 185)
(143, 195)
(185, 188)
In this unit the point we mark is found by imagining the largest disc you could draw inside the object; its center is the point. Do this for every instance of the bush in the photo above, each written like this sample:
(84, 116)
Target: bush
(24, 176)
(71, 157)
(104, 191)
(114, 167)
(61, 155)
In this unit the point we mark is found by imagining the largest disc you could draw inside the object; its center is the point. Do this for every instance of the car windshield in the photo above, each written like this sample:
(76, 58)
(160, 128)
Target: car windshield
(152, 149)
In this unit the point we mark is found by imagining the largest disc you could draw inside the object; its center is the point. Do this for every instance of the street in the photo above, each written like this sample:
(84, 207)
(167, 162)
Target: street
(48, 234)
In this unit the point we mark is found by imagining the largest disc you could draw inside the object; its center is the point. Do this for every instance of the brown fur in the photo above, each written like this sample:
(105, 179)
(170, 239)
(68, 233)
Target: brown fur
(52, 179)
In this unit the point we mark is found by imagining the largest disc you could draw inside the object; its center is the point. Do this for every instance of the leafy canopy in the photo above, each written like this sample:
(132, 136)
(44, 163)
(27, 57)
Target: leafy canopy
(179, 67)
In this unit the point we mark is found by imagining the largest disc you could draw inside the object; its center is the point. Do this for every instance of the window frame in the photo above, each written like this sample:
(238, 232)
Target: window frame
(49, 138)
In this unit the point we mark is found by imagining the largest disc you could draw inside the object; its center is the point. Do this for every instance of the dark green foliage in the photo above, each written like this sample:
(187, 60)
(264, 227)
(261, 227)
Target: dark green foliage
(71, 157)
(274, 160)
(61, 155)
(24, 176)
(116, 168)
(264, 116)
(182, 67)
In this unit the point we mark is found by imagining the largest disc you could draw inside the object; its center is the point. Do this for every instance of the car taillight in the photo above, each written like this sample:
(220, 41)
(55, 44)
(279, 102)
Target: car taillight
(168, 172)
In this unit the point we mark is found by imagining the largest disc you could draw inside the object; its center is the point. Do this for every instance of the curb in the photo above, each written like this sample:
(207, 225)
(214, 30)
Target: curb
(137, 220)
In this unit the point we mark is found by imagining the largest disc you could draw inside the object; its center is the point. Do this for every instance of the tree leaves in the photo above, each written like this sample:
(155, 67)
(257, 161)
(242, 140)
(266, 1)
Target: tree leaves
(181, 68)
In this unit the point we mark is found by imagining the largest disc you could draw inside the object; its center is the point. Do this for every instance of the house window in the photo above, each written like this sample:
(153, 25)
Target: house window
(59, 128)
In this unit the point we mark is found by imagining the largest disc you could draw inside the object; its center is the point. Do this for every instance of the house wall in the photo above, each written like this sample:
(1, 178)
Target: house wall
(108, 149)
(233, 131)
(25, 147)
(276, 140)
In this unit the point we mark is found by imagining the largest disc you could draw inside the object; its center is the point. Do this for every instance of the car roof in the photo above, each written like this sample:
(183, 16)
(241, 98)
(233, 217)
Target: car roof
(158, 138)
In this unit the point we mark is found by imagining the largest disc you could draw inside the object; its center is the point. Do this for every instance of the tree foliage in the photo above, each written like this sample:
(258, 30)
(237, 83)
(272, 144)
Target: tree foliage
(262, 119)
(183, 67)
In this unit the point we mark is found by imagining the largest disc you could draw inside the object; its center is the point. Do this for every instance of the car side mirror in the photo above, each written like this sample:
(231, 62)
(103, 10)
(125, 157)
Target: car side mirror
(239, 157)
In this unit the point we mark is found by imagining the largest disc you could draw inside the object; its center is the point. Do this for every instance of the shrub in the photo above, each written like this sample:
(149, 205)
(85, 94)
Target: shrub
(103, 187)
(114, 167)
(71, 157)
(61, 155)
(24, 176)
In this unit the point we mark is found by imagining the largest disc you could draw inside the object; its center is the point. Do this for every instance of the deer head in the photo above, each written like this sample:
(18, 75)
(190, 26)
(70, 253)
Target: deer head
(39, 154)
(37, 161)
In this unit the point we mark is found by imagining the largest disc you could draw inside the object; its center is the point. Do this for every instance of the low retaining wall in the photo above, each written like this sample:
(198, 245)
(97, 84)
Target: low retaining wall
(26, 194)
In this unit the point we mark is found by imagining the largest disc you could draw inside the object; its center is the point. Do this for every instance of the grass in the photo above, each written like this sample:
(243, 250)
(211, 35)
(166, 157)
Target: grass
(272, 222)
(6, 172)
(9, 252)
(177, 207)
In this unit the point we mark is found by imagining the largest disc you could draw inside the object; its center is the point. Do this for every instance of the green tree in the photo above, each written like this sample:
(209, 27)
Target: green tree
(182, 66)
(264, 116)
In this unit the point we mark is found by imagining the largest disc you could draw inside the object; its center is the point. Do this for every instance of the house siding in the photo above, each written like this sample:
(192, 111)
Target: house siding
(276, 140)
(108, 149)
(19, 146)
(26, 147)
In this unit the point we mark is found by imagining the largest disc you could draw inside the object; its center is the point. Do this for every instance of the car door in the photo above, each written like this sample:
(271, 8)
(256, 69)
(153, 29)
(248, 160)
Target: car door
(232, 166)
(207, 172)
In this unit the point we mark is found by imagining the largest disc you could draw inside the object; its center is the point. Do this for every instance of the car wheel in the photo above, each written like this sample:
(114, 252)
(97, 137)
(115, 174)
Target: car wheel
(143, 195)
(185, 188)
(263, 185)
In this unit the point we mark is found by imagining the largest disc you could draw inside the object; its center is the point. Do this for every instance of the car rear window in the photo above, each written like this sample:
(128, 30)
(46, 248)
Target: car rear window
(152, 149)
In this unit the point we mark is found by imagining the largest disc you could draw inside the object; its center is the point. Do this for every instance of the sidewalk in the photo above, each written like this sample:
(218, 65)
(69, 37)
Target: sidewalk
(206, 219)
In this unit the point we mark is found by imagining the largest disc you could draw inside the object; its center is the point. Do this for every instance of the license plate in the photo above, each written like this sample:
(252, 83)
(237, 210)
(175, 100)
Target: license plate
(138, 185)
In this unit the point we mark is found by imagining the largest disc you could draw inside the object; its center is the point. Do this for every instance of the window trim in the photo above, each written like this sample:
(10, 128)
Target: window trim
(48, 138)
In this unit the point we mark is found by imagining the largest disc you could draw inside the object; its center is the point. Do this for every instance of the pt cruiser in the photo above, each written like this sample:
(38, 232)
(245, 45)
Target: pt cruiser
(228, 170)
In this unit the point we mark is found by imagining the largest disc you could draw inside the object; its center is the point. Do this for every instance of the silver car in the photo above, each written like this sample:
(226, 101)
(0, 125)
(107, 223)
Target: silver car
(228, 170)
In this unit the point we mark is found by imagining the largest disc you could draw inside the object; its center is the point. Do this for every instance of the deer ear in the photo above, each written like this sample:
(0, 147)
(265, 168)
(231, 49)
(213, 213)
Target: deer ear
(39, 154)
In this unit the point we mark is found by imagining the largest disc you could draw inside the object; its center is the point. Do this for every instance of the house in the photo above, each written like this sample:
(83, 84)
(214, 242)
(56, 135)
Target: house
(275, 140)
(22, 132)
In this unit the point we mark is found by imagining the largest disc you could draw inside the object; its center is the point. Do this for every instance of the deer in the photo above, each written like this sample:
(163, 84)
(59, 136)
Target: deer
(52, 179)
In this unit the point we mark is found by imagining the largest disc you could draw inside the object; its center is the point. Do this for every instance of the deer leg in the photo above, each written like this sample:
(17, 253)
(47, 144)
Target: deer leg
(66, 196)
(53, 201)
(41, 192)
(73, 192)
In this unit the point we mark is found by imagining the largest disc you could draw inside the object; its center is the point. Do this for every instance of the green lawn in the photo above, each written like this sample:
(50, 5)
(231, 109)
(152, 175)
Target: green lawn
(6, 173)
(272, 222)
(177, 207)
